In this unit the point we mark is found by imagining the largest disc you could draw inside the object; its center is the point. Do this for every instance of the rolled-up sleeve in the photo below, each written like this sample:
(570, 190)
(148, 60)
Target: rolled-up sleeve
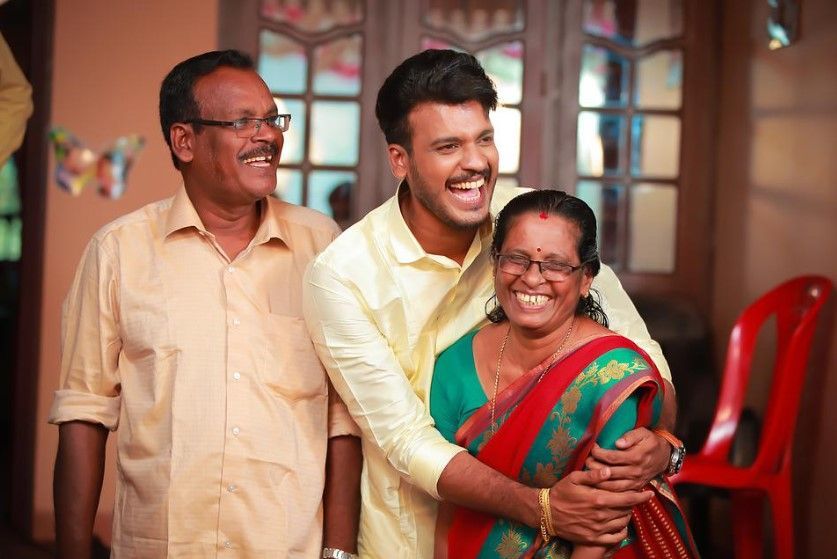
(89, 388)
(624, 318)
(368, 377)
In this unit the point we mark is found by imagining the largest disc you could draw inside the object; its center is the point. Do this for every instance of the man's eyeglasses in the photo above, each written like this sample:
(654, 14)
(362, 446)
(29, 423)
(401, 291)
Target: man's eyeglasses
(249, 126)
(551, 270)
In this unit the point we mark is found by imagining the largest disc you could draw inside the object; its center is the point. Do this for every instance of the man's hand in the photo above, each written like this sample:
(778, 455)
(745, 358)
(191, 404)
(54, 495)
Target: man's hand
(584, 514)
(641, 456)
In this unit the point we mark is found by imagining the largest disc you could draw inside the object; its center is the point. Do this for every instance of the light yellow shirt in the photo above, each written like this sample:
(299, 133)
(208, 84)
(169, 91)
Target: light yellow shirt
(15, 103)
(206, 369)
(380, 309)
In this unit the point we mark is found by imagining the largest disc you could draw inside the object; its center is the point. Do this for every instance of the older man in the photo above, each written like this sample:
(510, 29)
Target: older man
(183, 330)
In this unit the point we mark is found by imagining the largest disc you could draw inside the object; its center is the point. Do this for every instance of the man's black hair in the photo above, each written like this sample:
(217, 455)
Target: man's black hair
(177, 92)
(436, 76)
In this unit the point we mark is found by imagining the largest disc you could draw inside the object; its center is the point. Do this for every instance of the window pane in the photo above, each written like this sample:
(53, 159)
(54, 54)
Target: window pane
(634, 23)
(653, 224)
(601, 142)
(9, 189)
(282, 63)
(655, 146)
(473, 19)
(289, 185)
(295, 136)
(604, 78)
(337, 67)
(659, 80)
(329, 192)
(507, 137)
(607, 202)
(335, 133)
(313, 15)
(504, 65)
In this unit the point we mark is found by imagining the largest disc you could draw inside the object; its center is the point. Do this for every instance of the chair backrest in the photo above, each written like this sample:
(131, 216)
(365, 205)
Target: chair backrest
(795, 304)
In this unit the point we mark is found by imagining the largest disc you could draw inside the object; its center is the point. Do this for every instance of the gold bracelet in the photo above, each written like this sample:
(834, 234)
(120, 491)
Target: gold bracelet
(546, 514)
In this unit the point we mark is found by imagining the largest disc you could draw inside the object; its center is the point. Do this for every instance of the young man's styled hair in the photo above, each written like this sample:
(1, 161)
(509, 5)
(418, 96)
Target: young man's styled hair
(434, 76)
(177, 92)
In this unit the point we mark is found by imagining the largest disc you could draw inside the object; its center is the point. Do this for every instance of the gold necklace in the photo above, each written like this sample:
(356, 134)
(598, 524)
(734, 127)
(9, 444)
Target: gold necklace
(500, 360)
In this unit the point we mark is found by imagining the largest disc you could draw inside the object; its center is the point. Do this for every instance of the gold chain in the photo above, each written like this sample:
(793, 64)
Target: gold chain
(493, 402)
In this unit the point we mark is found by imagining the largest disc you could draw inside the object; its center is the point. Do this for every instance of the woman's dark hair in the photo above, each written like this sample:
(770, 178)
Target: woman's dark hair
(177, 92)
(575, 210)
(437, 76)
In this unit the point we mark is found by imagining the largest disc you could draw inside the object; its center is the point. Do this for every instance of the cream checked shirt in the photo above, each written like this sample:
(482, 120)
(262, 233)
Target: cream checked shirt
(205, 369)
(380, 310)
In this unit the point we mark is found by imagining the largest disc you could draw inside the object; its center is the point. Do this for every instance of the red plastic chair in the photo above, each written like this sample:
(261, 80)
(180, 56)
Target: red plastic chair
(795, 304)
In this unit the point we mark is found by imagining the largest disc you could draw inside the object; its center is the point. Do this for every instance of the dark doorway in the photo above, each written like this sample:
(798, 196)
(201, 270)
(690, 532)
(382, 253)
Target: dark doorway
(28, 29)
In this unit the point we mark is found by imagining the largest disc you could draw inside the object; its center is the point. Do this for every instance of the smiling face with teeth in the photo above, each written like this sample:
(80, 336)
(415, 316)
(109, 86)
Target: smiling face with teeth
(450, 167)
(222, 167)
(530, 302)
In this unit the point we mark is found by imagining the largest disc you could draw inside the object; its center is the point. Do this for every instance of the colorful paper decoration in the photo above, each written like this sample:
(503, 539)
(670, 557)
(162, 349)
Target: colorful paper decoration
(78, 166)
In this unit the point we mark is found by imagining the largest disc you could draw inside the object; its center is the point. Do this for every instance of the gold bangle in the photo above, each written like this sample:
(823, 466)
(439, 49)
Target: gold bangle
(546, 514)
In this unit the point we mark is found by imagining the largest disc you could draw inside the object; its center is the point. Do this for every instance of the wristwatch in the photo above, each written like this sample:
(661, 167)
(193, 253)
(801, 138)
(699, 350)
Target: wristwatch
(333, 553)
(678, 451)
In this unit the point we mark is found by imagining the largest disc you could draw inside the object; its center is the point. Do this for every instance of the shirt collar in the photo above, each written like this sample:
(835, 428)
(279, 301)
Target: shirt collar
(183, 215)
(405, 246)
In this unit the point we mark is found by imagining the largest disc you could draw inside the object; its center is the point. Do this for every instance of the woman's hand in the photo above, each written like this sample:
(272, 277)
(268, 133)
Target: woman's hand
(641, 456)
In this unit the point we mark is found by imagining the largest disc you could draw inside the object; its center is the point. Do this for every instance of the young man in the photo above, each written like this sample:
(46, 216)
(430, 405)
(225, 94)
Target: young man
(412, 277)
(183, 330)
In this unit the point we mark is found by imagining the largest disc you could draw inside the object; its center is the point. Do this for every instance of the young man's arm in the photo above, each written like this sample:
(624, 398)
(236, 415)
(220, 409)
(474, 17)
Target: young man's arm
(369, 378)
(77, 483)
(643, 455)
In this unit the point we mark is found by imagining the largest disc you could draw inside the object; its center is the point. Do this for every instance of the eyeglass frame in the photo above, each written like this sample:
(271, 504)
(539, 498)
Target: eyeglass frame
(540, 263)
(239, 125)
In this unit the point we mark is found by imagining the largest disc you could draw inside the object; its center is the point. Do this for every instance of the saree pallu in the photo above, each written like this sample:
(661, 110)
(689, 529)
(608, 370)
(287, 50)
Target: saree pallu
(548, 421)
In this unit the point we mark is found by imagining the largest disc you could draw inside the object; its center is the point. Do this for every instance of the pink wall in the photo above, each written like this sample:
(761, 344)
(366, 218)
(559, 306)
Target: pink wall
(776, 214)
(108, 62)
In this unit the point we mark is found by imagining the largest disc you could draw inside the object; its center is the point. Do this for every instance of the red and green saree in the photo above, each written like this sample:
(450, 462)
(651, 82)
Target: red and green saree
(548, 421)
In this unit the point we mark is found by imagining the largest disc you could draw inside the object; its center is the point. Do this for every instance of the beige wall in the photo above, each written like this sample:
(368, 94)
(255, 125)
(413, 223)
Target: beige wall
(776, 213)
(108, 62)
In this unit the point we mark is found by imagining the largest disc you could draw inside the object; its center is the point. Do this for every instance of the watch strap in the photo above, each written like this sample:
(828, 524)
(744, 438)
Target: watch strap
(334, 553)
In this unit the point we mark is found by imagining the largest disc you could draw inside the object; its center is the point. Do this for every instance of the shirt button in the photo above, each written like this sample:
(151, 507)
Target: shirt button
(232, 488)
(236, 431)
(236, 375)
(236, 322)
(231, 269)
(228, 544)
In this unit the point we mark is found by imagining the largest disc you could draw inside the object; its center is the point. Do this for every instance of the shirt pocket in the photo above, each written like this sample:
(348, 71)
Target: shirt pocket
(291, 366)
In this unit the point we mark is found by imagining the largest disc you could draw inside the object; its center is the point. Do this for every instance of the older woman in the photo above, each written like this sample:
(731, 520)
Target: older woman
(532, 392)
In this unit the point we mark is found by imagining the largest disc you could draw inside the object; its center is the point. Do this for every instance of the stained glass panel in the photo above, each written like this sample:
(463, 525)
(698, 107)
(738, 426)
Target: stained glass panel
(292, 150)
(603, 81)
(504, 65)
(282, 63)
(600, 144)
(659, 80)
(653, 221)
(330, 193)
(635, 23)
(335, 133)
(655, 146)
(474, 20)
(313, 15)
(607, 203)
(337, 66)
(289, 185)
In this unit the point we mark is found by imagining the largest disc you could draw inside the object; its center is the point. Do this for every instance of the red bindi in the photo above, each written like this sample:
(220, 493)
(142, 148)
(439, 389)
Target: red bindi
(539, 249)
(543, 215)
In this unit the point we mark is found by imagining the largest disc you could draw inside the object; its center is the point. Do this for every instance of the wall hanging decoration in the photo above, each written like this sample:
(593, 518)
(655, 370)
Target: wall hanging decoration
(78, 167)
